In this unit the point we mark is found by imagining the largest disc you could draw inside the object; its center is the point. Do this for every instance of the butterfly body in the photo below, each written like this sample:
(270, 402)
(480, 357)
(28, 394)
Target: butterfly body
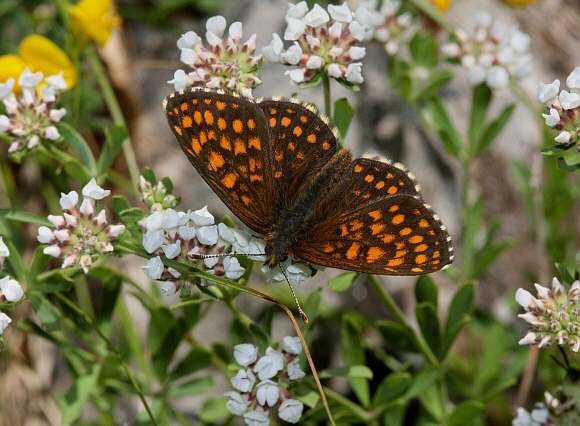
(275, 163)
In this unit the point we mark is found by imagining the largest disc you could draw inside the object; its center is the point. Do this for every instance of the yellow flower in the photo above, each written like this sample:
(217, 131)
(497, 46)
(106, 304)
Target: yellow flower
(95, 19)
(519, 2)
(38, 53)
(442, 4)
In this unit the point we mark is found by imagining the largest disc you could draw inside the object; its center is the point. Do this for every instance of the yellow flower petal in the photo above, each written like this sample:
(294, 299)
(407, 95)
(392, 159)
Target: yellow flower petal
(11, 66)
(441, 4)
(41, 54)
(95, 19)
(519, 2)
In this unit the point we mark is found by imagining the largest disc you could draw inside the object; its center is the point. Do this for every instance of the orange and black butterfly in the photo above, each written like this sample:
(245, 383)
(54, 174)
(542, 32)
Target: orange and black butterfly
(274, 163)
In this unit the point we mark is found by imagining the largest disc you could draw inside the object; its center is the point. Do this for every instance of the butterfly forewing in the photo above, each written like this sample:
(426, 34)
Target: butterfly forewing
(396, 235)
(301, 141)
(226, 139)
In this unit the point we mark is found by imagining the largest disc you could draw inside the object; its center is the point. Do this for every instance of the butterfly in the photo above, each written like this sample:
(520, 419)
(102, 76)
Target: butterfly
(276, 165)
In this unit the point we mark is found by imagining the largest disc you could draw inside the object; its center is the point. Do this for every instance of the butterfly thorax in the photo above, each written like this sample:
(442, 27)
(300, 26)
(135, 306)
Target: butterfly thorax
(293, 220)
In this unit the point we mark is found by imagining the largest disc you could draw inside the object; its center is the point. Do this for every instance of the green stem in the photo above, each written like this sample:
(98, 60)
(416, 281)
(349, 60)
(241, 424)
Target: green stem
(400, 316)
(357, 410)
(327, 97)
(116, 113)
(130, 376)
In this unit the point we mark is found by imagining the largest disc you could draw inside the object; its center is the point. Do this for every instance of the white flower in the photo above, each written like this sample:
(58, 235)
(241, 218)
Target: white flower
(476, 75)
(269, 365)
(86, 208)
(4, 321)
(298, 272)
(57, 114)
(547, 92)
(45, 235)
(235, 31)
(256, 418)
(50, 132)
(273, 50)
(187, 232)
(207, 235)
(524, 298)
(172, 250)
(179, 79)
(290, 410)
(29, 79)
(226, 233)
(245, 354)
(202, 217)
(243, 380)
(316, 17)
(68, 201)
(236, 405)
(529, 339)
(294, 29)
(335, 30)
(154, 268)
(564, 137)
(497, 77)
(6, 88)
(216, 25)
(169, 288)
(340, 13)
(255, 247)
(294, 370)
(520, 41)
(53, 251)
(333, 70)
(152, 240)
(293, 54)
(358, 31)
(170, 219)
(94, 191)
(314, 62)
(267, 392)
(11, 289)
(56, 81)
(573, 80)
(540, 414)
(290, 344)
(296, 75)
(553, 118)
(353, 73)
(4, 252)
(356, 52)
(450, 50)
(4, 123)
(297, 11)
(569, 100)
(232, 268)
(210, 262)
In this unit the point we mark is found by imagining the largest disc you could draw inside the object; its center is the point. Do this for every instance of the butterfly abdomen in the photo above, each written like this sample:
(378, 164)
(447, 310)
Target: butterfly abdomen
(293, 220)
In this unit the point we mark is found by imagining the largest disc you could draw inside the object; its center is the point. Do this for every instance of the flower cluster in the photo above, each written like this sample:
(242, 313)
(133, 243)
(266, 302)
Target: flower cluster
(158, 197)
(174, 234)
(324, 41)
(564, 108)
(80, 235)
(30, 119)
(226, 66)
(493, 55)
(388, 28)
(273, 371)
(539, 416)
(10, 289)
(553, 316)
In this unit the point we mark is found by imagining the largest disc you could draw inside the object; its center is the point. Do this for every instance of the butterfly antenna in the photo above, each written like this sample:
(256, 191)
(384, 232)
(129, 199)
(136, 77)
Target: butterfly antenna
(300, 311)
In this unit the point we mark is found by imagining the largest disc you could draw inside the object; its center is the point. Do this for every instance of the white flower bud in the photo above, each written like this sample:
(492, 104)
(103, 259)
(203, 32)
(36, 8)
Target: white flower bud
(340, 13)
(273, 51)
(314, 62)
(236, 405)
(11, 289)
(564, 137)
(207, 235)
(202, 217)
(232, 268)
(553, 118)
(294, 29)
(188, 40)
(569, 100)
(216, 25)
(267, 392)
(68, 201)
(243, 380)
(334, 71)
(296, 75)
(94, 191)
(290, 410)
(179, 80)
(245, 354)
(293, 54)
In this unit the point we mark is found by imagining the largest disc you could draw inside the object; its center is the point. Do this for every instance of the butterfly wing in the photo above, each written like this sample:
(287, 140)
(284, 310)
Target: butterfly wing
(301, 143)
(226, 139)
(374, 221)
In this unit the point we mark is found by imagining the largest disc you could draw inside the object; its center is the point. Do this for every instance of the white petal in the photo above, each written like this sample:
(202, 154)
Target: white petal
(524, 298)
(216, 25)
(154, 268)
(243, 380)
(564, 137)
(237, 405)
(233, 269)
(11, 289)
(294, 29)
(51, 133)
(297, 11)
(273, 50)
(256, 418)
(207, 235)
(340, 13)
(202, 217)
(547, 92)
(353, 73)
(188, 57)
(296, 75)
(267, 392)
(187, 232)
(290, 410)
(497, 77)
(294, 370)
(476, 75)
(87, 208)
(172, 250)
(152, 241)
(235, 31)
(573, 80)
(569, 100)
(68, 201)
(4, 321)
(314, 62)
(188, 40)
(6, 88)
(94, 191)
(56, 81)
(245, 354)
(356, 53)
(45, 235)
(57, 114)
(553, 118)
(293, 54)
(29, 79)
(226, 233)
(316, 17)
(334, 71)
(153, 221)
(179, 80)
(4, 123)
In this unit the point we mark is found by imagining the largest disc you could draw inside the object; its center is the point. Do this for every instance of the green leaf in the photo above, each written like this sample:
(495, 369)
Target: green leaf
(77, 171)
(77, 143)
(489, 252)
(197, 359)
(428, 321)
(314, 80)
(72, 403)
(213, 411)
(192, 387)
(569, 163)
(149, 175)
(343, 113)
(39, 263)
(465, 412)
(25, 217)
(492, 130)
(398, 336)
(46, 312)
(481, 98)
(450, 334)
(349, 371)
(460, 305)
(114, 139)
(423, 49)
(426, 290)
(421, 381)
(392, 386)
(473, 220)
(120, 204)
(435, 83)
(557, 149)
(353, 354)
(444, 127)
(166, 181)
(342, 282)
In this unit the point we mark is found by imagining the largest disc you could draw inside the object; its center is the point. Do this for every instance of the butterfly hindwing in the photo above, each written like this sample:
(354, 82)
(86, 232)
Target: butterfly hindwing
(302, 143)
(396, 235)
(226, 139)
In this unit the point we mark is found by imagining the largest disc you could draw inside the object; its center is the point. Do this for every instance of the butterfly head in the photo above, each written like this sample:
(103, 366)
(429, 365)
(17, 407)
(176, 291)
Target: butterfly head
(273, 256)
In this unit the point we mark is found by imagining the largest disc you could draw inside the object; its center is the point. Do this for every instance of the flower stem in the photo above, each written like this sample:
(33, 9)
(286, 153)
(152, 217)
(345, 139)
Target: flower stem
(116, 114)
(400, 316)
(327, 98)
(89, 321)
